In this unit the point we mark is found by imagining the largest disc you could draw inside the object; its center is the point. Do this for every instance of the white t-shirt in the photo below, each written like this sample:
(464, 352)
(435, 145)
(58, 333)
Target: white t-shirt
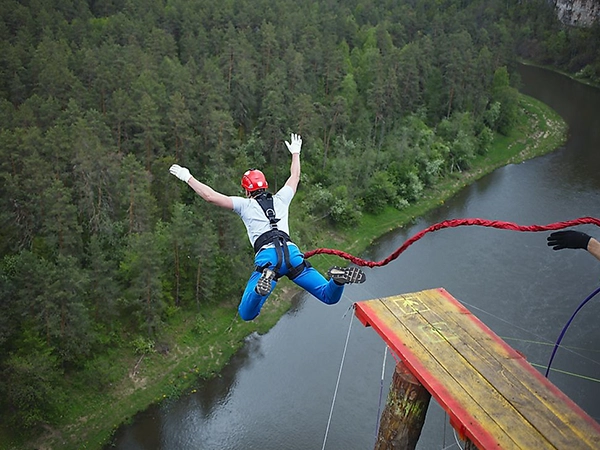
(254, 217)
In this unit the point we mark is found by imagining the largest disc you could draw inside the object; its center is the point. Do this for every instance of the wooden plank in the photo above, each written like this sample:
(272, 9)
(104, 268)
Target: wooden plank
(496, 397)
(512, 389)
(469, 382)
(507, 378)
(433, 324)
(479, 387)
(451, 391)
(520, 383)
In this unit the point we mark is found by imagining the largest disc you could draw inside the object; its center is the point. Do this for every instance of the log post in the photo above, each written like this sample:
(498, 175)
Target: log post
(469, 445)
(404, 413)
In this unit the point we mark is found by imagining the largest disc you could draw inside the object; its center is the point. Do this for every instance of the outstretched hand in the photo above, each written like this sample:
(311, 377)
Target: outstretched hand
(568, 239)
(296, 144)
(180, 172)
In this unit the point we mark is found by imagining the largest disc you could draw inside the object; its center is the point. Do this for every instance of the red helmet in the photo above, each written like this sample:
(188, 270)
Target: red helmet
(253, 180)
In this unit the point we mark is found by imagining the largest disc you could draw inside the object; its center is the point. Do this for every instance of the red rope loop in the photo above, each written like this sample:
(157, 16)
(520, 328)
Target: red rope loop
(452, 224)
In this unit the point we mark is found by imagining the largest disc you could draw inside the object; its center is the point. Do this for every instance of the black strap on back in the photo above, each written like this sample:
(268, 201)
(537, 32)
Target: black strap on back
(278, 238)
(270, 237)
(265, 200)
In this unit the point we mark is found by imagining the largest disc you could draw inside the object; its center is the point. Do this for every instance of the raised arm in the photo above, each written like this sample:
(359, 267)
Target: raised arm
(294, 147)
(203, 190)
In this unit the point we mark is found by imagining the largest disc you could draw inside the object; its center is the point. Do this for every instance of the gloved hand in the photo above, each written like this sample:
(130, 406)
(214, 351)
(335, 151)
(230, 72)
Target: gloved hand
(568, 239)
(296, 144)
(180, 172)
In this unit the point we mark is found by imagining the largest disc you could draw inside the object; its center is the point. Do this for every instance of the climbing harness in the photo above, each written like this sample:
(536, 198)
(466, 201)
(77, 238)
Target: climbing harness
(265, 200)
(278, 238)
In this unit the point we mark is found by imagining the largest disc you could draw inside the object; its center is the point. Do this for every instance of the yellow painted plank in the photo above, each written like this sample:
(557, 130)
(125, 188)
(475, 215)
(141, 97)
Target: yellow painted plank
(479, 386)
(486, 376)
(545, 411)
(458, 385)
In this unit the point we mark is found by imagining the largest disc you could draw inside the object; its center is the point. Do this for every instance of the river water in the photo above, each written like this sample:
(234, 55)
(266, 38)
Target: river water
(278, 391)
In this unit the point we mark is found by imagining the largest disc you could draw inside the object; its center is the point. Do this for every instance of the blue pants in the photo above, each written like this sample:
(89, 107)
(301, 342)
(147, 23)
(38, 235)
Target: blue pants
(310, 280)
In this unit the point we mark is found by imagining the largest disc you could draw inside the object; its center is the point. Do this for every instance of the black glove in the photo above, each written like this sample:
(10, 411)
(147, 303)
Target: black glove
(568, 239)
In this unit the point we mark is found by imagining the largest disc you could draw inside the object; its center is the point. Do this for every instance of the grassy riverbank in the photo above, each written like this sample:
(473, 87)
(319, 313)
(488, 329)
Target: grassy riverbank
(197, 347)
(540, 130)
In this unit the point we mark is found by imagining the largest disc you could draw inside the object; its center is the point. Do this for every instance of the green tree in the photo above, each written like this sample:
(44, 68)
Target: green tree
(95, 170)
(121, 117)
(51, 64)
(272, 122)
(30, 387)
(457, 69)
(213, 117)
(60, 227)
(66, 318)
(150, 134)
(137, 206)
(379, 193)
(507, 97)
(103, 288)
(335, 119)
(192, 244)
(143, 299)
(409, 78)
(238, 65)
(269, 47)
(180, 121)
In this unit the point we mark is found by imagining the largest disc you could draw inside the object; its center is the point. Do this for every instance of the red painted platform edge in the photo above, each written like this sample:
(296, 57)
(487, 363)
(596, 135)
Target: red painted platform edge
(469, 427)
(457, 414)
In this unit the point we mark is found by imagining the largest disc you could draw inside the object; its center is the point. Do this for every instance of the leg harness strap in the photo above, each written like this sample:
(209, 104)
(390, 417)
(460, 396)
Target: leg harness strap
(283, 254)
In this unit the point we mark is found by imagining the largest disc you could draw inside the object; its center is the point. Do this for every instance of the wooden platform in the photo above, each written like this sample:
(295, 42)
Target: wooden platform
(492, 395)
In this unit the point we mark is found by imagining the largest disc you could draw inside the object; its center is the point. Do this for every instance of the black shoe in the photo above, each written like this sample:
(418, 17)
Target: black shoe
(263, 286)
(346, 275)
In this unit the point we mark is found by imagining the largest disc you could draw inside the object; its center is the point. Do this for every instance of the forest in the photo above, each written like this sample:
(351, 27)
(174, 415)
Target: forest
(99, 244)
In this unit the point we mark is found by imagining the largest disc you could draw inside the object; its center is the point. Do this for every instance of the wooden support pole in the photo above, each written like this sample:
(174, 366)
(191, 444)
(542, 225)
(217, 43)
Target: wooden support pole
(404, 413)
(469, 445)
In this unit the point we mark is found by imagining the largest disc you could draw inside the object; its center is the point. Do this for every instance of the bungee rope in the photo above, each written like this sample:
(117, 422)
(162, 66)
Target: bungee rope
(453, 223)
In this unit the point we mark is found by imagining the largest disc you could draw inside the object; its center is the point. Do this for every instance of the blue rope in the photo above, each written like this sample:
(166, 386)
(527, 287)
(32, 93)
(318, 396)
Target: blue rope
(564, 330)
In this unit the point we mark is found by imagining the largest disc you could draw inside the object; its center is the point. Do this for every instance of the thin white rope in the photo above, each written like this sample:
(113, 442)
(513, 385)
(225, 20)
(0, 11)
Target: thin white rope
(545, 341)
(542, 338)
(337, 384)
(456, 439)
(457, 443)
(572, 374)
(550, 344)
(444, 433)
(385, 352)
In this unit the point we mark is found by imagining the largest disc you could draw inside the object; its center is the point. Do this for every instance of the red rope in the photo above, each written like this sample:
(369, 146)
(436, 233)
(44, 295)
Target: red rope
(452, 224)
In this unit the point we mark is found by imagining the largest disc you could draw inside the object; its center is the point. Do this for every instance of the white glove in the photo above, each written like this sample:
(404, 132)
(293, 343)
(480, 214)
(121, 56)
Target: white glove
(296, 144)
(180, 172)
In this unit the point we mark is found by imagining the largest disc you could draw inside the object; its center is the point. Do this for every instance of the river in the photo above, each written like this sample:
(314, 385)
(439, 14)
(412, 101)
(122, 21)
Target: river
(277, 392)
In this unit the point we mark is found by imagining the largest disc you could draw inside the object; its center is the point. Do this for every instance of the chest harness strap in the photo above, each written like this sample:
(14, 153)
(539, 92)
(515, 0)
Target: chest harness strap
(278, 238)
